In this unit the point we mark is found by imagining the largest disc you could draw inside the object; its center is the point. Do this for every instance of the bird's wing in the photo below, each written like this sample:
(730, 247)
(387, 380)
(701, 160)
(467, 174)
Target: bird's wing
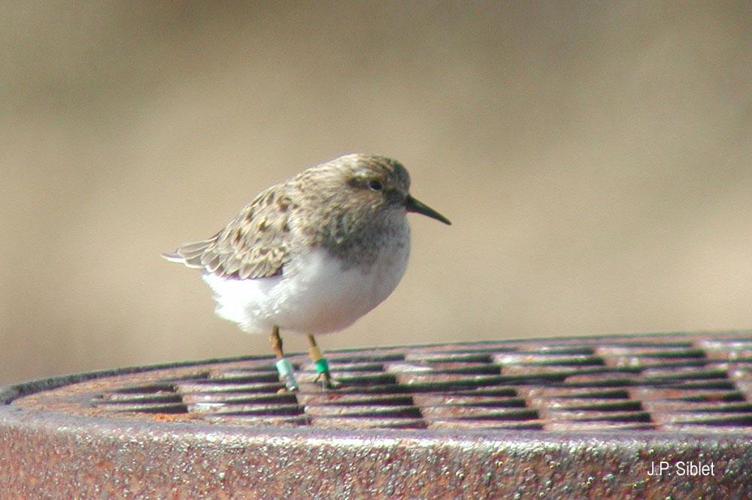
(255, 244)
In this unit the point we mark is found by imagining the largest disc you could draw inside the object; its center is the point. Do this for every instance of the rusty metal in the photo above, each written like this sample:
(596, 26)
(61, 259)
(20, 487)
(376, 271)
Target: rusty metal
(561, 417)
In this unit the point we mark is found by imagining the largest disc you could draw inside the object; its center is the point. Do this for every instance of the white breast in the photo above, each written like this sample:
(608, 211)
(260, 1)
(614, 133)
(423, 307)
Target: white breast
(314, 295)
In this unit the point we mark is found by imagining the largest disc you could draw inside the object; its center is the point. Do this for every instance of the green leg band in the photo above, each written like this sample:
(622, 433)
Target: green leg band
(322, 366)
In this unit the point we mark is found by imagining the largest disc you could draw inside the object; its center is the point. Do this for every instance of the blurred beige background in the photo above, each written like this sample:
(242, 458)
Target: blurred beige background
(594, 158)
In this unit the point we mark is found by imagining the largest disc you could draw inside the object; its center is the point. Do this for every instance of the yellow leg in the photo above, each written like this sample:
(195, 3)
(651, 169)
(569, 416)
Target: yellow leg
(284, 367)
(276, 342)
(322, 365)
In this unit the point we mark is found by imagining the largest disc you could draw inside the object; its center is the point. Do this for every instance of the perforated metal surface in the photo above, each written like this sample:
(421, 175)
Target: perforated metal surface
(562, 418)
(607, 384)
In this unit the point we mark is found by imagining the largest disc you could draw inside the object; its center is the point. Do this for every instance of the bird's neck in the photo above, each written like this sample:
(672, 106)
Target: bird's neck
(361, 243)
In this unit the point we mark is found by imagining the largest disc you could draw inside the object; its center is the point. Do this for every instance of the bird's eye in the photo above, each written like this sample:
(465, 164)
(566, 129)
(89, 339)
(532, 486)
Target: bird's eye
(375, 185)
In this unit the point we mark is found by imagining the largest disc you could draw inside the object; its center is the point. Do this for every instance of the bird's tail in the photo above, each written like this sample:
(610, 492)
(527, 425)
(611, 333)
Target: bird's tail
(174, 257)
(190, 254)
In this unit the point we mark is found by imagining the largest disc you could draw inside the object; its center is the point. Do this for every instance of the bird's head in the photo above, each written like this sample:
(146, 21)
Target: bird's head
(379, 185)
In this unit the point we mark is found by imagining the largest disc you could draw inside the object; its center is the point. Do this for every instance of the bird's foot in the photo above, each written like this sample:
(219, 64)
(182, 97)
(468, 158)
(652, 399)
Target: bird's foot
(327, 382)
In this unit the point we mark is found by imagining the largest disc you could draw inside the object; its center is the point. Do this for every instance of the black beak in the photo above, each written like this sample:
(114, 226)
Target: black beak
(413, 205)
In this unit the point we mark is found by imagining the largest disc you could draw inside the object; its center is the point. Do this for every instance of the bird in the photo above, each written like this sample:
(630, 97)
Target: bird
(313, 254)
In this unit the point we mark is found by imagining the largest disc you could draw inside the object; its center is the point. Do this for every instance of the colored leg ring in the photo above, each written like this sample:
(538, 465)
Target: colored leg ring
(286, 374)
(322, 366)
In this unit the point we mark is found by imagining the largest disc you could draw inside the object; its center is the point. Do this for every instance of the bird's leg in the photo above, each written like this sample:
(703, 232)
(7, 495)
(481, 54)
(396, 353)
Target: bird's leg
(322, 365)
(284, 367)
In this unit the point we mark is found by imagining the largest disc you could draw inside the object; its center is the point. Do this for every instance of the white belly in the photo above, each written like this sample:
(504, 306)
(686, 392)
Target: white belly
(314, 295)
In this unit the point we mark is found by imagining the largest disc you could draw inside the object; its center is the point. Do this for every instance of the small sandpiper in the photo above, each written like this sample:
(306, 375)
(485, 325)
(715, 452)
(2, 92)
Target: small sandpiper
(313, 254)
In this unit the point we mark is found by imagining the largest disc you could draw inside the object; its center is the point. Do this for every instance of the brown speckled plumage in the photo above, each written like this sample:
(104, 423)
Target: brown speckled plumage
(332, 205)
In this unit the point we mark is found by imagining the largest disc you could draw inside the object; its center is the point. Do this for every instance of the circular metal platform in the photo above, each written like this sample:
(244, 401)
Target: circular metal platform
(629, 416)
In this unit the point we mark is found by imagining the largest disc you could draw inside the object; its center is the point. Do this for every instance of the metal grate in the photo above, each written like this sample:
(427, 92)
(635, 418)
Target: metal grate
(562, 418)
(665, 383)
